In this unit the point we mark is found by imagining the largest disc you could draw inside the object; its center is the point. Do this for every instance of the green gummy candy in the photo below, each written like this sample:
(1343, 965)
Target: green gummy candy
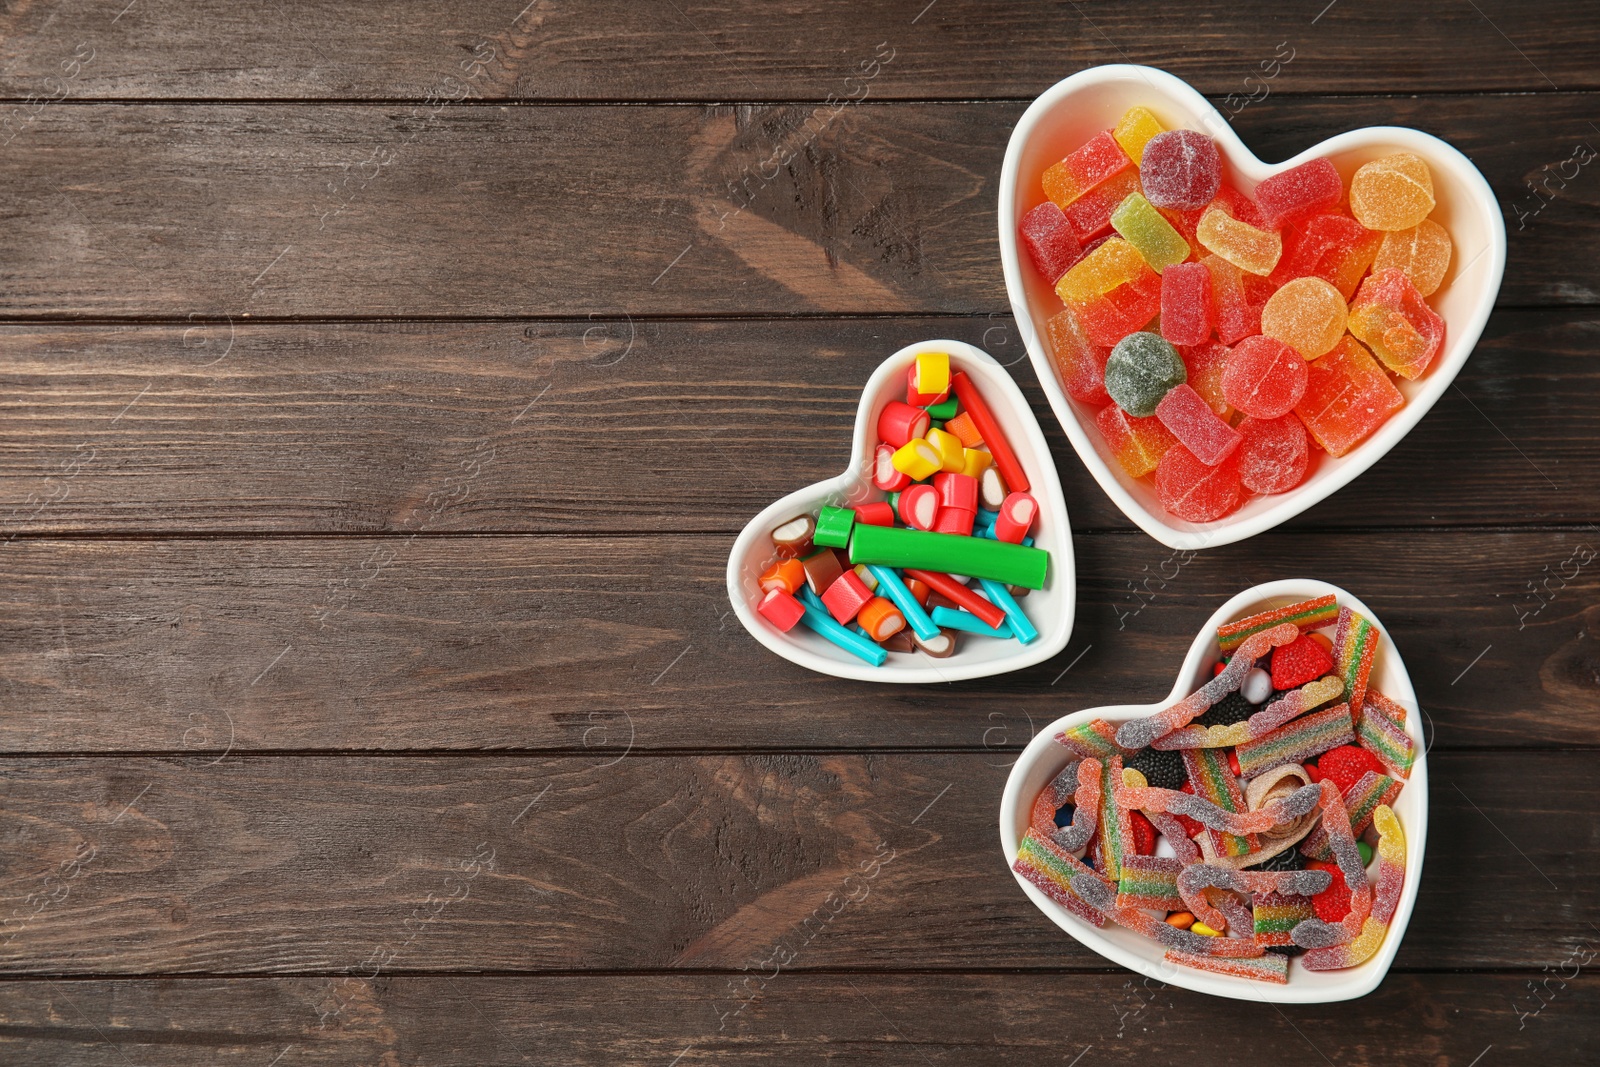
(1140, 371)
(945, 409)
(1366, 852)
(833, 527)
(1146, 229)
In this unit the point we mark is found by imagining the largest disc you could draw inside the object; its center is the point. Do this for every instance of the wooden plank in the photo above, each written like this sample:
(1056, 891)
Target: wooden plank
(307, 865)
(633, 426)
(578, 643)
(612, 50)
(404, 210)
(879, 1019)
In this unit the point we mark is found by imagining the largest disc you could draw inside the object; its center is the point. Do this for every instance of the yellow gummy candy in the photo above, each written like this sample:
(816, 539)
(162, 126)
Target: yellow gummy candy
(933, 373)
(1388, 334)
(1114, 263)
(1134, 131)
(1307, 314)
(1392, 193)
(1240, 243)
(1422, 253)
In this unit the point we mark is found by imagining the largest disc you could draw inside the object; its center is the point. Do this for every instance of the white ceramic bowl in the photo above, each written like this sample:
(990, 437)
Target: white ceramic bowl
(1090, 101)
(1049, 609)
(1044, 758)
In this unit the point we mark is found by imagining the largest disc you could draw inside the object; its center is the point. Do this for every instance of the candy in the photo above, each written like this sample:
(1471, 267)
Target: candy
(846, 596)
(780, 608)
(940, 646)
(1274, 454)
(1090, 214)
(1238, 298)
(965, 430)
(1195, 492)
(1363, 798)
(1100, 895)
(885, 475)
(918, 507)
(1138, 733)
(1149, 882)
(1392, 193)
(1275, 915)
(1375, 926)
(1112, 291)
(1017, 512)
(793, 537)
(1205, 363)
(1301, 661)
(786, 574)
(1421, 253)
(919, 399)
(917, 459)
(1215, 815)
(1269, 967)
(1290, 706)
(1051, 241)
(1347, 397)
(1137, 444)
(1180, 169)
(1052, 870)
(1246, 247)
(992, 490)
(1263, 377)
(1335, 248)
(1079, 785)
(1275, 849)
(1355, 643)
(899, 423)
(1296, 741)
(950, 554)
(1140, 370)
(1107, 267)
(952, 453)
(1346, 765)
(878, 513)
(932, 371)
(890, 586)
(1198, 877)
(956, 491)
(1196, 426)
(977, 463)
(1213, 782)
(1391, 317)
(993, 436)
(1083, 169)
(1134, 130)
(1092, 740)
(881, 619)
(833, 527)
(1310, 188)
(1115, 836)
(1142, 226)
(1080, 362)
(1188, 314)
(822, 568)
(819, 620)
(1382, 731)
(956, 619)
(1307, 314)
(959, 594)
(1307, 615)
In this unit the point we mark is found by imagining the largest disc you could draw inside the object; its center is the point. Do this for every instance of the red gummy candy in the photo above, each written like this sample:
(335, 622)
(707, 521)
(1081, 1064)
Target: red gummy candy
(1194, 491)
(1344, 766)
(1191, 420)
(1273, 454)
(1144, 834)
(1264, 377)
(1050, 241)
(1081, 362)
(1239, 206)
(1335, 248)
(1310, 188)
(1187, 313)
(1238, 298)
(1181, 169)
(1233, 763)
(1300, 661)
(1333, 903)
(1090, 214)
(1192, 827)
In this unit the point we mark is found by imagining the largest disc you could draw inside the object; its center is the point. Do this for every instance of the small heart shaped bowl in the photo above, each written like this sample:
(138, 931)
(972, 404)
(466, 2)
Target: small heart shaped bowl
(1044, 758)
(1049, 609)
(1074, 110)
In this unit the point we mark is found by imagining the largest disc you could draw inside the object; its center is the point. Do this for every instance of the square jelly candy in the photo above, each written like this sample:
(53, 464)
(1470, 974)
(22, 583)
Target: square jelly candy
(1138, 444)
(1390, 316)
(1080, 362)
(1142, 226)
(1195, 491)
(1188, 313)
(1309, 189)
(1238, 298)
(1196, 426)
(1086, 167)
(1051, 241)
(1347, 397)
(1335, 248)
(1112, 290)
(1205, 363)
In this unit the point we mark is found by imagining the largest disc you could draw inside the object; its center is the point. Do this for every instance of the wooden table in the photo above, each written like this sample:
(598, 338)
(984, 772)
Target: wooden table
(383, 389)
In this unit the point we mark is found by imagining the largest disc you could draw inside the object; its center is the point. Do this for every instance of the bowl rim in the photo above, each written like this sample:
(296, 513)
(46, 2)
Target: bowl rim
(1063, 570)
(1361, 979)
(1461, 341)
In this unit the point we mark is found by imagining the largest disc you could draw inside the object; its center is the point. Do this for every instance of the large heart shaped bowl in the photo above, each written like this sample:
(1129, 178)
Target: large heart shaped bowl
(1044, 758)
(1090, 101)
(1050, 609)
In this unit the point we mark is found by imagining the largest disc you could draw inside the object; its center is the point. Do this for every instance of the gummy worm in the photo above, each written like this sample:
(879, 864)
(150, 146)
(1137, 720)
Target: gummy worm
(1259, 725)
(1195, 879)
(1267, 816)
(1100, 896)
(1314, 933)
(1391, 878)
(1086, 798)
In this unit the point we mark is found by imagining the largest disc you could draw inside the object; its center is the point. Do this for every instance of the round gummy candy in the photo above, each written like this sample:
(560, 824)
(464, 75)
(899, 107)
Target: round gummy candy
(1307, 314)
(1392, 193)
(1195, 492)
(1141, 369)
(1422, 253)
(1273, 454)
(1263, 377)
(1181, 169)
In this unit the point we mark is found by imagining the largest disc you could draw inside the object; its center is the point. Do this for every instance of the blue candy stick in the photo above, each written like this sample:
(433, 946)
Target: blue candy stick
(1001, 598)
(890, 585)
(818, 619)
(957, 619)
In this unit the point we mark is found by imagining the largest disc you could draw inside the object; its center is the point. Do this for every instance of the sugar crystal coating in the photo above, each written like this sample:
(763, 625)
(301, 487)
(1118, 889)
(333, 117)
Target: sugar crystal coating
(1245, 246)
(1392, 193)
(1195, 425)
(1181, 169)
(1188, 311)
(1347, 397)
(1307, 314)
(1273, 453)
(1264, 377)
(1134, 130)
(1195, 491)
(1310, 188)
(1080, 362)
(1141, 369)
(1138, 444)
(1421, 253)
(1205, 363)
(1142, 226)
(1391, 317)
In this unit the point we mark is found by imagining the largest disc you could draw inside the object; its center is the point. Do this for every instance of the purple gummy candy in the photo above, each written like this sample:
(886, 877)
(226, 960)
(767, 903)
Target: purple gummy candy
(1181, 169)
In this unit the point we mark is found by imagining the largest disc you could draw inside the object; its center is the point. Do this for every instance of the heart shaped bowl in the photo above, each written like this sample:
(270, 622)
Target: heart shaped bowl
(1074, 110)
(1049, 609)
(1044, 758)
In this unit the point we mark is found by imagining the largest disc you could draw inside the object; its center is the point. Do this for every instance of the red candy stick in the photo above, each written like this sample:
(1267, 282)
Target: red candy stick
(993, 436)
(878, 514)
(884, 473)
(919, 507)
(948, 587)
(1017, 513)
(900, 422)
(955, 521)
(957, 491)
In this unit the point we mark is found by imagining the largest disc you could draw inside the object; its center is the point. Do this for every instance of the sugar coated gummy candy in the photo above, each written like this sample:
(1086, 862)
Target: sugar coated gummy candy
(1392, 193)
(1080, 362)
(1140, 370)
(1252, 250)
(1307, 314)
(1347, 397)
(1138, 444)
(1112, 290)
(1051, 241)
(1187, 311)
(1382, 731)
(1142, 226)
(1213, 781)
(1297, 741)
(1044, 864)
(1390, 316)
(1205, 363)
(1090, 214)
(1355, 643)
(1375, 926)
(1310, 188)
(1137, 733)
(1335, 248)
(1115, 836)
(1421, 253)
(1091, 740)
(1237, 309)
(1270, 967)
(1195, 492)
(1181, 169)
(1274, 454)
(1149, 882)
(1263, 377)
(1307, 615)
(1086, 167)
(1195, 425)
(1134, 130)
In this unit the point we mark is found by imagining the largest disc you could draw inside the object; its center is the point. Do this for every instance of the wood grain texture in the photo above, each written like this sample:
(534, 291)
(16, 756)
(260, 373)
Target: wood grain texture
(616, 425)
(408, 210)
(329, 865)
(714, 51)
(885, 1020)
(578, 643)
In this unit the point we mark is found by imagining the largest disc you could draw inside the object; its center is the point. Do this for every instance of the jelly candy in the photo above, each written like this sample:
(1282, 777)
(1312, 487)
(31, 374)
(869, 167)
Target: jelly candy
(1392, 193)
(1308, 615)
(1144, 228)
(1273, 454)
(1112, 290)
(1205, 363)
(1134, 130)
(1115, 836)
(1309, 189)
(1080, 786)
(1080, 362)
(1188, 312)
(1149, 882)
(1382, 731)
(1213, 781)
(1375, 926)
(1314, 933)
(1195, 879)
(1421, 253)
(1296, 741)
(1100, 895)
(1263, 377)
(1086, 167)
(1347, 397)
(1275, 915)
(1238, 299)
(1092, 740)
(1246, 247)
(1052, 871)
(1391, 317)
(1051, 241)
(1138, 444)
(1290, 706)
(1361, 800)
(1140, 370)
(1335, 248)
(1217, 816)
(1307, 314)
(1194, 491)
(1268, 967)
(1195, 425)
(1180, 169)
(1139, 733)
(1355, 644)
(1299, 662)
(1090, 214)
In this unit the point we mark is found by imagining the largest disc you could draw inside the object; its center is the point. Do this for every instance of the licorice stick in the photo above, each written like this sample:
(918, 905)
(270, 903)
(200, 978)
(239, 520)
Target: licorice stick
(951, 589)
(818, 619)
(994, 437)
(950, 554)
